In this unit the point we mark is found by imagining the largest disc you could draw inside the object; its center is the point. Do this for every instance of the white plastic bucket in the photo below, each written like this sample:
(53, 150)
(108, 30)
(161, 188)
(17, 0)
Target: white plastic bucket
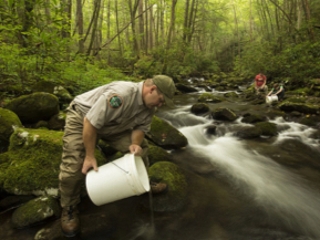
(119, 179)
(271, 99)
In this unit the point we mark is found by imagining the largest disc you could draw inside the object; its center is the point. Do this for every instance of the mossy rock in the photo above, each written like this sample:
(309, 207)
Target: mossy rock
(32, 162)
(58, 121)
(35, 211)
(157, 154)
(200, 108)
(224, 114)
(53, 88)
(249, 132)
(209, 97)
(311, 121)
(299, 107)
(267, 128)
(165, 135)
(7, 120)
(253, 118)
(34, 107)
(176, 196)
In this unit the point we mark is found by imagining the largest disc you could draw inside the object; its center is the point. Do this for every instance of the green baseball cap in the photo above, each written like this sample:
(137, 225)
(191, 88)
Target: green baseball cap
(166, 86)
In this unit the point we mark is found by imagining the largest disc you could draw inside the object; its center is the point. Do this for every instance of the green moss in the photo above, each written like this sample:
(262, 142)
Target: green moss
(34, 158)
(35, 211)
(169, 173)
(208, 97)
(267, 128)
(7, 120)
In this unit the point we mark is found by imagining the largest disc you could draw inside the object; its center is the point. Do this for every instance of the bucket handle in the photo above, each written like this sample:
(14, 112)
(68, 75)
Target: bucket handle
(98, 147)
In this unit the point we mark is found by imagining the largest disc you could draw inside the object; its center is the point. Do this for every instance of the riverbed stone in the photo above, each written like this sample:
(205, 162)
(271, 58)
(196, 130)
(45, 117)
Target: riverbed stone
(200, 108)
(175, 197)
(166, 136)
(35, 211)
(300, 107)
(224, 114)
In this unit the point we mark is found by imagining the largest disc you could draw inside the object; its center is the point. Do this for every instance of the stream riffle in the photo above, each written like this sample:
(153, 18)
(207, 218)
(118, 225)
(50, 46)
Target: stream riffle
(265, 188)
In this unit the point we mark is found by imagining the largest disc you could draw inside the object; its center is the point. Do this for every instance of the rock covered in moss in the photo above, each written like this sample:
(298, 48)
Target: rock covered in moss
(35, 211)
(165, 135)
(34, 107)
(209, 97)
(176, 196)
(58, 121)
(53, 88)
(200, 108)
(267, 128)
(157, 154)
(31, 166)
(300, 107)
(8, 119)
(224, 114)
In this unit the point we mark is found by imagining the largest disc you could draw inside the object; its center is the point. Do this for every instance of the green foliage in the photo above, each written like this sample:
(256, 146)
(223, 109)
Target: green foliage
(299, 61)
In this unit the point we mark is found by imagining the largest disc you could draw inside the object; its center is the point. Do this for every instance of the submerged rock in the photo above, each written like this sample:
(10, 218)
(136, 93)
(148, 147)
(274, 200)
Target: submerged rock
(35, 211)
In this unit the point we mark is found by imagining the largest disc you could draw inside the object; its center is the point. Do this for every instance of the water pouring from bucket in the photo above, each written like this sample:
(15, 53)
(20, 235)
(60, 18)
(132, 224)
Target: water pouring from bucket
(122, 178)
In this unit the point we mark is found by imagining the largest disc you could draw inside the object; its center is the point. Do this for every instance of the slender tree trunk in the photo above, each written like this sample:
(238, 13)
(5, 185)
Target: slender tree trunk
(95, 17)
(133, 9)
(118, 28)
(79, 14)
(66, 6)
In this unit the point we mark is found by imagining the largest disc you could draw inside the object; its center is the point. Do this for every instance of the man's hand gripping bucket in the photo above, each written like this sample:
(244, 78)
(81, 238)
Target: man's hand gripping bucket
(122, 178)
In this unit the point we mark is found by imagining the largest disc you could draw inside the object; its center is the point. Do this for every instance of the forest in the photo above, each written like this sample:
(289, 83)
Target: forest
(86, 43)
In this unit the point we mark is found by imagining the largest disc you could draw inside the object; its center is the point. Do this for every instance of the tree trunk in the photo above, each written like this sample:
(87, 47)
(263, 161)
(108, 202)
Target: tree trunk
(79, 16)
(95, 17)
(66, 6)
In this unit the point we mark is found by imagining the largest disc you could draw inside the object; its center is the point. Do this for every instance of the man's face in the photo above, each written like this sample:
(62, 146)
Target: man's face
(154, 98)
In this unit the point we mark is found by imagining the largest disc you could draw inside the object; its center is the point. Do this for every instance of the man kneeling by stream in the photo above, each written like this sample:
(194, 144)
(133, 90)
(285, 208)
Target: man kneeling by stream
(120, 113)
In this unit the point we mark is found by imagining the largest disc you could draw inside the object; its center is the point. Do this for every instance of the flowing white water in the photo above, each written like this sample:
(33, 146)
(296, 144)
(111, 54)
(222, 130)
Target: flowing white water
(271, 185)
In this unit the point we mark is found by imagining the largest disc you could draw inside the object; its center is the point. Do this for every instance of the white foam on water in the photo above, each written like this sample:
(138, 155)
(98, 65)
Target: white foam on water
(270, 184)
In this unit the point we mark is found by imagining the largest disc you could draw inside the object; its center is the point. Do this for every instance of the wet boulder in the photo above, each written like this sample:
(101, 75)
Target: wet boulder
(166, 136)
(8, 119)
(253, 118)
(35, 211)
(175, 197)
(224, 114)
(248, 132)
(157, 154)
(267, 128)
(209, 98)
(34, 107)
(299, 107)
(200, 108)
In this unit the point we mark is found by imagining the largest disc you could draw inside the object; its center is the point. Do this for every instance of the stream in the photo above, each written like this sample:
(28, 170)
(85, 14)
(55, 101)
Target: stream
(257, 189)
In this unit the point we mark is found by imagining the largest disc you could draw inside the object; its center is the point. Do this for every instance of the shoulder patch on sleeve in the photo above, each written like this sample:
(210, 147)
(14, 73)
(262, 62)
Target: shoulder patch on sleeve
(115, 101)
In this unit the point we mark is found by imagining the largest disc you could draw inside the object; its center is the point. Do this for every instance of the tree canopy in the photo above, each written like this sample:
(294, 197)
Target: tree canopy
(93, 41)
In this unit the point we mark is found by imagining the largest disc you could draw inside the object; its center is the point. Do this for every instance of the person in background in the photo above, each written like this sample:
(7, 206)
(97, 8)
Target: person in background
(120, 113)
(278, 90)
(260, 83)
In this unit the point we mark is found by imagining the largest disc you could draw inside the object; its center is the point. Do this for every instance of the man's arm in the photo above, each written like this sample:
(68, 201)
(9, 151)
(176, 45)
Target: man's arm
(89, 136)
(137, 137)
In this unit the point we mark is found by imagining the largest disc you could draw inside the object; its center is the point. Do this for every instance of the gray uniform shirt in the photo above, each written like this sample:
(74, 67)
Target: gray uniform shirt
(115, 108)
